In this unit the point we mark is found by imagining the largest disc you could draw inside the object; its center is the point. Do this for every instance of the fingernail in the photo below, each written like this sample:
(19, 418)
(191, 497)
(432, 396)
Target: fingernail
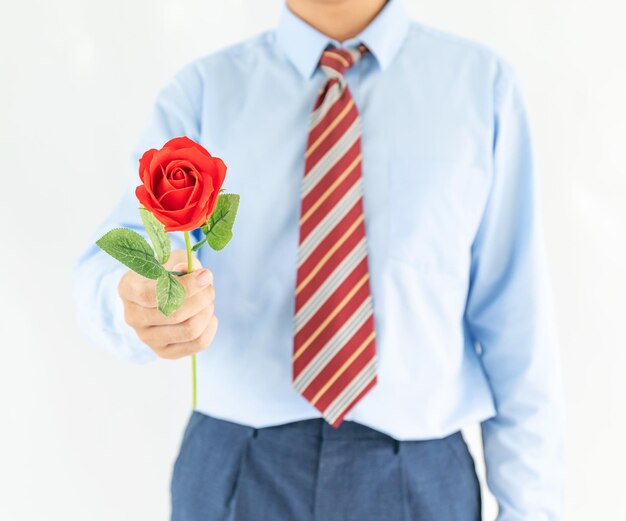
(204, 278)
(181, 266)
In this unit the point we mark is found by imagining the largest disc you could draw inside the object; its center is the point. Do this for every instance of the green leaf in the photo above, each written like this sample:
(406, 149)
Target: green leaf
(170, 294)
(198, 245)
(132, 250)
(218, 228)
(158, 235)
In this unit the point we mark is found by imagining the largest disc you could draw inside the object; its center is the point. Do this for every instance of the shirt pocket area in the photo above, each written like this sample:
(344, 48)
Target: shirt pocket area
(435, 209)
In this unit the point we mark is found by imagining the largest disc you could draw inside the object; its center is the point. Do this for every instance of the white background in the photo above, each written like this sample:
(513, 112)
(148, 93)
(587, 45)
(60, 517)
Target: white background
(84, 436)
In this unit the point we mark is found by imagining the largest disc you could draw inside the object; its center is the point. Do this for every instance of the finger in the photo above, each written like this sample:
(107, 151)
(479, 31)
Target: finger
(138, 289)
(196, 281)
(186, 331)
(142, 291)
(179, 350)
(138, 315)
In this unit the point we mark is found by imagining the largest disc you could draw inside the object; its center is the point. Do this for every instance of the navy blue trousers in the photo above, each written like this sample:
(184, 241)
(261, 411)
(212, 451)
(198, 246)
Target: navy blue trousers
(308, 471)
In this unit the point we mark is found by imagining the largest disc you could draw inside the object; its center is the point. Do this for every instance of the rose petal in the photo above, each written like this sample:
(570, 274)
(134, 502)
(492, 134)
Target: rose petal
(161, 184)
(147, 199)
(179, 179)
(187, 177)
(178, 220)
(175, 199)
(211, 184)
(218, 179)
(157, 161)
(197, 189)
(144, 161)
(203, 207)
(200, 161)
(217, 176)
(184, 142)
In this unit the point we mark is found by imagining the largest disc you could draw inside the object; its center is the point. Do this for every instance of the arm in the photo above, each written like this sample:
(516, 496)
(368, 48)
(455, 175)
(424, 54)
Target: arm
(509, 313)
(96, 275)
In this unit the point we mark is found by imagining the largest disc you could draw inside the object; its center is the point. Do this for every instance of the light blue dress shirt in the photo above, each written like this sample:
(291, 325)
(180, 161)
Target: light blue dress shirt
(462, 305)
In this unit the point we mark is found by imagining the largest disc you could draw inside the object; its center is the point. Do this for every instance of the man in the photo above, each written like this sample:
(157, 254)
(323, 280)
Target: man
(385, 286)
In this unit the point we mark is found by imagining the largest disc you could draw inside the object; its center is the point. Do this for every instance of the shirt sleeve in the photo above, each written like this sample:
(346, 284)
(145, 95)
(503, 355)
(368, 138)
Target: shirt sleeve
(511, 318)
(96, 275)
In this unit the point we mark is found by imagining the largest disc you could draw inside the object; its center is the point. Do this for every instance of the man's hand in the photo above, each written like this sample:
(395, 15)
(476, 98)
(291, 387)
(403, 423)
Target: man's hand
(190, 328)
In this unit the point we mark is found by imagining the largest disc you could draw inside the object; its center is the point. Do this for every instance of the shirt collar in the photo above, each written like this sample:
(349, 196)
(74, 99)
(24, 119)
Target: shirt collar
(304, 44)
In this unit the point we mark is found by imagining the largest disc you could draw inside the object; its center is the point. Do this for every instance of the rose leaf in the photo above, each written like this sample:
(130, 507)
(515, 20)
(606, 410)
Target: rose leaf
(198, 245)
(132, 250)
(158, 235)
(170, 293)
(219, 227)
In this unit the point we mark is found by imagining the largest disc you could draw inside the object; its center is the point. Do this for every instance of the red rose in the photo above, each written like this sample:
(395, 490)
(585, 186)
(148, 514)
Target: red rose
(181, 183)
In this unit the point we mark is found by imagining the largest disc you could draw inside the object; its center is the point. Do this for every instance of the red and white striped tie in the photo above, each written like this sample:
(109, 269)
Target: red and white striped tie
(334, 359)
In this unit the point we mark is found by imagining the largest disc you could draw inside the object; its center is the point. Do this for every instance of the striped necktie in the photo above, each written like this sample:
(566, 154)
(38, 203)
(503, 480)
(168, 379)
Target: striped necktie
(334, 358)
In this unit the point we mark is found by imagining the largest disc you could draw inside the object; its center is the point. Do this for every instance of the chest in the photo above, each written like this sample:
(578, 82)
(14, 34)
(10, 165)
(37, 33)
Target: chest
(426, 172)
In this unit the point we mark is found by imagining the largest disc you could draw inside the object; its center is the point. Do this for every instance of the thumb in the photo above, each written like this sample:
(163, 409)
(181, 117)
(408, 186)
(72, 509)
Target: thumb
(195, 281)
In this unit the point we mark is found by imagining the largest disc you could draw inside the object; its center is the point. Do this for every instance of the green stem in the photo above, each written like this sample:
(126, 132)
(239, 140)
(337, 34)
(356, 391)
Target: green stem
(194, 393)
(189, 252)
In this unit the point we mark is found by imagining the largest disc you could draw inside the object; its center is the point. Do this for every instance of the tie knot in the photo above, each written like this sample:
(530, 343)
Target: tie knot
(335, 62)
